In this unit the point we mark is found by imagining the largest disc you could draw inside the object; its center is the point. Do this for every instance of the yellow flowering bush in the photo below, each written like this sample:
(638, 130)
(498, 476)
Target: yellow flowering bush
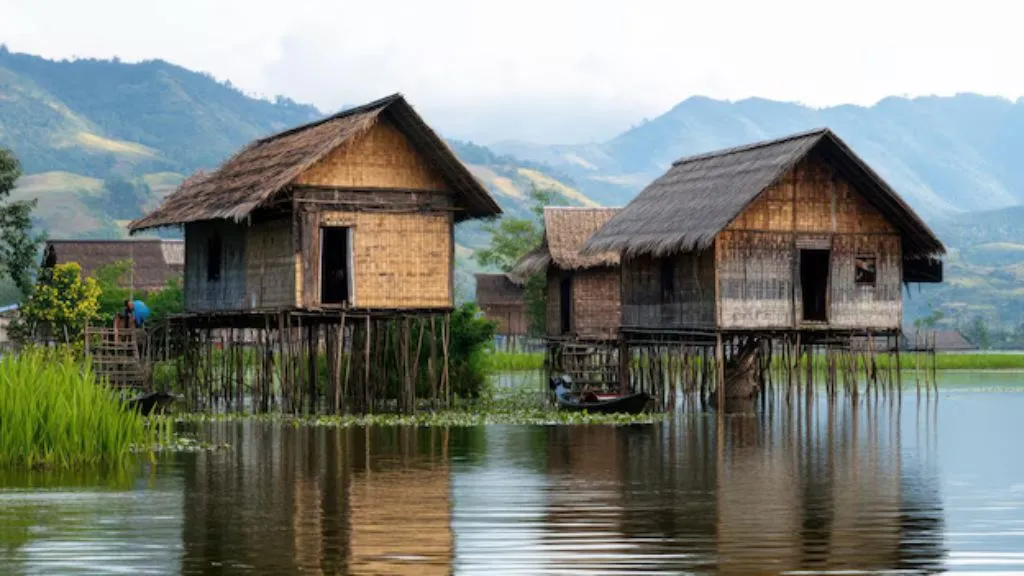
(61, 303)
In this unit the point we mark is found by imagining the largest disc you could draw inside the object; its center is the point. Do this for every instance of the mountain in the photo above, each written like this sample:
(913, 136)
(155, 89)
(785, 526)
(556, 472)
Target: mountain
(101, 141)
(943, 154)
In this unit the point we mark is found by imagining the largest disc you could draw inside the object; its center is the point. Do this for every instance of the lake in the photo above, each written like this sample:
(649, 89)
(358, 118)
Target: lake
(922, 486)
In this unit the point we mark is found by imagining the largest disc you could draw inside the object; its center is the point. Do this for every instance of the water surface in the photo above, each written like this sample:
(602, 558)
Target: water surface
(919, 487)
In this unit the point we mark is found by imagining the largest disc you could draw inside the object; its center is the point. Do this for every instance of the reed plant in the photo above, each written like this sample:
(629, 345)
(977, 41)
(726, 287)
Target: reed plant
(55, 413)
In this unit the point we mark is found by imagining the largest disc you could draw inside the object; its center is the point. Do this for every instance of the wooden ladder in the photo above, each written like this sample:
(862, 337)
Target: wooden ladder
(116, 357)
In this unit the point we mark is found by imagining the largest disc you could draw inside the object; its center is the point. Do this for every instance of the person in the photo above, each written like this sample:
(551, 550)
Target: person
(562, 390)
(140, 312)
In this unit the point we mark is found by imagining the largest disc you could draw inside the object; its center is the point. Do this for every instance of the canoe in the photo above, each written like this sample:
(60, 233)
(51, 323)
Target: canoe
(608, 404)
(147, 403)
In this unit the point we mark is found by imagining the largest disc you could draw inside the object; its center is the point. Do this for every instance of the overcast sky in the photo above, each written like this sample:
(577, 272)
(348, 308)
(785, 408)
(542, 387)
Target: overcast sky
(552, 71)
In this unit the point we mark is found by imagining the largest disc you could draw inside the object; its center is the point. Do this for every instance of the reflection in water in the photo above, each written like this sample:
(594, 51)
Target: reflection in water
(779, 489)
(320, 501)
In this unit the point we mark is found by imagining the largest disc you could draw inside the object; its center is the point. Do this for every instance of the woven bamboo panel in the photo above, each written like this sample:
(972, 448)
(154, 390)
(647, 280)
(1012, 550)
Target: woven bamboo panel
(400, 260)
(511, 318)
(822, 200)
(596, 302)
(381, 158)
(866, 306)
(756, 276)
(398, 514)
(692, 303)
(268, 265)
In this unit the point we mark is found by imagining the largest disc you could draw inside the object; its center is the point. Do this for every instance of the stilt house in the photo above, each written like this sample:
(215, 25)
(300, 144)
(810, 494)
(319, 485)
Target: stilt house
(791, 234)
(501, 300)
(582, 291)
(354, 211)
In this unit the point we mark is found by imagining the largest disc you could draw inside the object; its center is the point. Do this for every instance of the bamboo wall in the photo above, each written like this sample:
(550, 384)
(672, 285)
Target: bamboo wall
(811, 207)
(596, 302)
(381, 158)
(227, 293)
(511, 318)
(690, 305)
(269, 259)
(399, 260)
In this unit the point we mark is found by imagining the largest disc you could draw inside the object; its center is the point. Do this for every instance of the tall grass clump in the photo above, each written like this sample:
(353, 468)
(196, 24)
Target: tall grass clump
(54, 413)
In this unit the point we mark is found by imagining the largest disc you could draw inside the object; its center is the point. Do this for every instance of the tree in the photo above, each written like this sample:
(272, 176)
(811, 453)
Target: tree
(18, 245)
(60, 305)
(511, 239)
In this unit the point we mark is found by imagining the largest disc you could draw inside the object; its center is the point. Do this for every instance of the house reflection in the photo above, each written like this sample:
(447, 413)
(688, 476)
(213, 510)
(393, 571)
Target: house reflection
(780, 489)
(321, 501)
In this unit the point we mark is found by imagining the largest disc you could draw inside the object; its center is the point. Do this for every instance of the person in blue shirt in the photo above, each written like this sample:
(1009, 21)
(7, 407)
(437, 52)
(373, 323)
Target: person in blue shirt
(138, 311)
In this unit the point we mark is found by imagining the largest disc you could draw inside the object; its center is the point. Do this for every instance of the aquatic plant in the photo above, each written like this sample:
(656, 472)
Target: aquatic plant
(55, 413)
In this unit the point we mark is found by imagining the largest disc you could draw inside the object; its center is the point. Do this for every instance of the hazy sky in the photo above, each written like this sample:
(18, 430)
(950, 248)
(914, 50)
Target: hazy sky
(552, 71)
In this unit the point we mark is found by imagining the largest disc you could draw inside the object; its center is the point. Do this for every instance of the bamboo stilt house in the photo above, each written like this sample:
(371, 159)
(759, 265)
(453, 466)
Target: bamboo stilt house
(790, 234)
(354, 211)
(501, 300)
(582, 295)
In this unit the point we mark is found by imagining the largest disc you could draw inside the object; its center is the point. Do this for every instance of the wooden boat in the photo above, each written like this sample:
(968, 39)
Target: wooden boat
(595, 403)
(147, 403)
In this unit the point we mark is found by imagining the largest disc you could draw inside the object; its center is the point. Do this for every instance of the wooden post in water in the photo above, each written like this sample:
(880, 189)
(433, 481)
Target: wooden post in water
(720, 373)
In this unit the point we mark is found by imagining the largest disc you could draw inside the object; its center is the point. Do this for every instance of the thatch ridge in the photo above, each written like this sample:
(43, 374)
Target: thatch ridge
(253, 176)
(566, 230)
(686, 208)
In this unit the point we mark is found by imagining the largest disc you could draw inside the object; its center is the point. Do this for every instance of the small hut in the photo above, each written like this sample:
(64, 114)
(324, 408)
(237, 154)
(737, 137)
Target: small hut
(343, 229)
(501, 300)
(794, 241)
(791, 234)
(355, 211)
(154, 261)
(582, 291)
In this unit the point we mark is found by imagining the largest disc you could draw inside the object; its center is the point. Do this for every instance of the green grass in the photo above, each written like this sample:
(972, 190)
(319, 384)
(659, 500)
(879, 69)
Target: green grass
(520, 361)
(514, 361)
(55, 414)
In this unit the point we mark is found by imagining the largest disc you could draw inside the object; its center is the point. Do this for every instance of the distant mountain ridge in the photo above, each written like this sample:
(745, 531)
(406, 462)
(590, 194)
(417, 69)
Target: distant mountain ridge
(943, 154)
(103, 140)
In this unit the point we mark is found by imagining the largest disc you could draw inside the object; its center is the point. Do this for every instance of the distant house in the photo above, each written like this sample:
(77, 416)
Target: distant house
(582, 291)
(501, 300)
(944, 341)
(154, 261)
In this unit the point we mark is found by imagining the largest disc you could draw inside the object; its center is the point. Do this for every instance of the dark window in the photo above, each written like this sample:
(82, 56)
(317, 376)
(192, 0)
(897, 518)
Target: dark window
(865, 272)
(668, 279)
(213, 258)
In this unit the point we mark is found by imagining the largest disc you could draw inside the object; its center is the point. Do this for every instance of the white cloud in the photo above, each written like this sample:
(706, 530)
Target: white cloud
(552, 70)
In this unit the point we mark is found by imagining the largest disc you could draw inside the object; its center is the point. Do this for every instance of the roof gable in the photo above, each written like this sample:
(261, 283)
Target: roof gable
(566, 230)
(253, 176)
(497, 289)
(699, 196)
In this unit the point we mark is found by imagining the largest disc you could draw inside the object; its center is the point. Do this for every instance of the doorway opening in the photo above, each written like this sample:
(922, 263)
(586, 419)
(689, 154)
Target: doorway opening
(565, 293)
(335, 271)
(814, 270)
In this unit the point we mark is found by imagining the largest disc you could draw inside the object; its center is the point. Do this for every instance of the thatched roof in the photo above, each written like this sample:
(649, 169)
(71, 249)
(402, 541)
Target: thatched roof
(497, 289)
(255, 175)
(155, 261)
(699, 196)
(566, 229)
